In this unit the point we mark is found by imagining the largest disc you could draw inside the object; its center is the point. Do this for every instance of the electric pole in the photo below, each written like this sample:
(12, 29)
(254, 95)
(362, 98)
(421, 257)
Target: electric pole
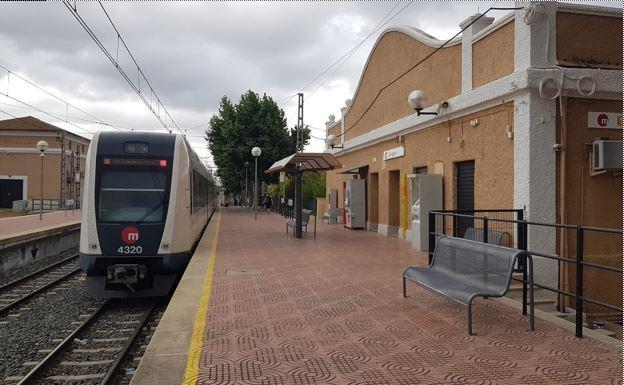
(299, 172)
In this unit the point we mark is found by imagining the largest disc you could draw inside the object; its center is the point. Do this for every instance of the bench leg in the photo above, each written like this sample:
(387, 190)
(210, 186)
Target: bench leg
(404, 288)
(470, 317)
(531, 298)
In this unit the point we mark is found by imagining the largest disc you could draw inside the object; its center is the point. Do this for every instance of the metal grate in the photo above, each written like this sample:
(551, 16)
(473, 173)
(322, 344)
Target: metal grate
(242, 272)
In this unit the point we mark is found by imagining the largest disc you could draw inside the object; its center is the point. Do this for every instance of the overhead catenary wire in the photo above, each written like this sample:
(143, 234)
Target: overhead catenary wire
(96, 120)
(370, 105)
(379, 25)
(337, 61)
(135, 87)
(47, 113)
(21, 119)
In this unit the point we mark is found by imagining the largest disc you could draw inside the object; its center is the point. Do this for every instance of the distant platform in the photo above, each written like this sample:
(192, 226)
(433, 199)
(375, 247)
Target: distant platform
(256, 306)
(14, 230)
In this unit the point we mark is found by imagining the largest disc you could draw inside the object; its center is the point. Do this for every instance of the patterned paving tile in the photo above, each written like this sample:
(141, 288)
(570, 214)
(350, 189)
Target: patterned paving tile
(329, 311)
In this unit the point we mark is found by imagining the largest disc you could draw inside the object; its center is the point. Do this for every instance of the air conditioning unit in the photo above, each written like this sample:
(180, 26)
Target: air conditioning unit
(607, 155)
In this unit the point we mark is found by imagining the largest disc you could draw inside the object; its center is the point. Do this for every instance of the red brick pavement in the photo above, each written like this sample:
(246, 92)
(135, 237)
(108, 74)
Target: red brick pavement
(329, 311)
(30, 223)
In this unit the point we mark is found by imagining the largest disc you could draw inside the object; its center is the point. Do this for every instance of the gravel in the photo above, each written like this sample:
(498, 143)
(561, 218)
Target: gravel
(39, 264)
(32, 327)
(118, 321)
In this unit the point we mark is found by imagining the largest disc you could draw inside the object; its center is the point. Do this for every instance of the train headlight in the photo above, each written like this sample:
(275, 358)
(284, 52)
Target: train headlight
(142, 271)
(93, 246)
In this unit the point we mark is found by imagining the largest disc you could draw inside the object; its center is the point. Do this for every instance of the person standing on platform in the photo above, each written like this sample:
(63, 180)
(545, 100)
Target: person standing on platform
(266, 201)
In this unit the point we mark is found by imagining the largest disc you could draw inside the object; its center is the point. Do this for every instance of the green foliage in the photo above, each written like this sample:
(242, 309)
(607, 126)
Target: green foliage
(237, 128)
(313, 186)
(274, 191)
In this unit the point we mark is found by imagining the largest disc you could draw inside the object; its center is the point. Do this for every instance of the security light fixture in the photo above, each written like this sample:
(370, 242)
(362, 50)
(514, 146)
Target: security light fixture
(416, 100)
(332, 141)
(42, 146)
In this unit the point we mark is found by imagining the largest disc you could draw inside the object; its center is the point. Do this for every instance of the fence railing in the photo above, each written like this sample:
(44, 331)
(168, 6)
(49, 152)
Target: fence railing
(509, 228)
(52, 204)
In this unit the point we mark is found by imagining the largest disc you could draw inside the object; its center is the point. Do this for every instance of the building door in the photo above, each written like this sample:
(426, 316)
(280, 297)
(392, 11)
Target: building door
(394, 202)
(465, 196)
(373, 201)
(10, 190)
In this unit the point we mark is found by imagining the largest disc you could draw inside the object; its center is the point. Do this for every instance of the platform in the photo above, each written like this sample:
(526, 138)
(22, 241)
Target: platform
(259, 307)
(28, 228)
(31, 223)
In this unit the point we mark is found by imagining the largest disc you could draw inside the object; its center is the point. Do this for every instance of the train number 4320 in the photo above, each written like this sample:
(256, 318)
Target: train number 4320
(130, 250)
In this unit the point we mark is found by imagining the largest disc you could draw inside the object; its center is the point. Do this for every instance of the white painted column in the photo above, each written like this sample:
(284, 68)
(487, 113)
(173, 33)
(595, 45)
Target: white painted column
(535, 135)
(467, 37)
(342, 124)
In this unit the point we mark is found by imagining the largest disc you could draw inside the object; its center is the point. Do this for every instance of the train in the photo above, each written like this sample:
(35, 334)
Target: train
(146, 203)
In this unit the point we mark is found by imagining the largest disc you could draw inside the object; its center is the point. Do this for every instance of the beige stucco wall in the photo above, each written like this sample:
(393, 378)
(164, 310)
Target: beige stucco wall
(585, 39)
(591, 201)
(439, 78)
(486, 143)
(493, 56)
(29, 164)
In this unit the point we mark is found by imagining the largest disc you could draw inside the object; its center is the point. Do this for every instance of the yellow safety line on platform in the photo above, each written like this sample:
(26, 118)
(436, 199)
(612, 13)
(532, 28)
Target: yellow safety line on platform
(197, 340)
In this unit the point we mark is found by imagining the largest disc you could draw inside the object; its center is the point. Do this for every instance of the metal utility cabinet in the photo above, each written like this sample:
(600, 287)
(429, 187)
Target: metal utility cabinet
(355, 203)
(426, 197)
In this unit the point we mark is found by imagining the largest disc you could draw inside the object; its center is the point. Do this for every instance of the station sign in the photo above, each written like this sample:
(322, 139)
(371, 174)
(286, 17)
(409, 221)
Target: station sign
(611, 120)
(396, 152)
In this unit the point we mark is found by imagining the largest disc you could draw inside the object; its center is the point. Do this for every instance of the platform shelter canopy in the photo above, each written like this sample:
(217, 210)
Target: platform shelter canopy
(307, 161)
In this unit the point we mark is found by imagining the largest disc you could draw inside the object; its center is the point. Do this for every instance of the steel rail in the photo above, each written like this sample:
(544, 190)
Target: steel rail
(32, 376)
(28, 296)
(32, 275)
(111, 374)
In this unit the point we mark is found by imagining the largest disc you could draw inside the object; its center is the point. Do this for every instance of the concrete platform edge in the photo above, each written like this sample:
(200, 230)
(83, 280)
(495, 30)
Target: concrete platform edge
(165, 358)
(10, 240)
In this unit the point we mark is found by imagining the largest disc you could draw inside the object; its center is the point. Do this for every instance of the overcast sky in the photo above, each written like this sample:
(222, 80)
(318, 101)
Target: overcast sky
(194, 53)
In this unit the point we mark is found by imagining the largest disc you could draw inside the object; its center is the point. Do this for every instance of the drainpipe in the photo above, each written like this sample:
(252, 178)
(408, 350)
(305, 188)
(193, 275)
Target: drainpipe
(563, 239)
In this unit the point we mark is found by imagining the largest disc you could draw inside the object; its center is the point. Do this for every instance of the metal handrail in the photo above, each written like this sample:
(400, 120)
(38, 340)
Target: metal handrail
(522, 238)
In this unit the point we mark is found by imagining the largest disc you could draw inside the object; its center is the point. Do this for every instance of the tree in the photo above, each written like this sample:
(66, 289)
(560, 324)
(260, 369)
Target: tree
(313, 186)
(237, 128)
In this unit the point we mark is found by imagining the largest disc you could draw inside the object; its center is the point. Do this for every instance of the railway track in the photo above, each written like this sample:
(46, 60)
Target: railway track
(95, 350)
(16, 292)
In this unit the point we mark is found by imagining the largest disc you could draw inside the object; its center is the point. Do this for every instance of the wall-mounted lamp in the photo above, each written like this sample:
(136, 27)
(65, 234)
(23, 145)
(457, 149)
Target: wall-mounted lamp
(416, 100)
(332, 141)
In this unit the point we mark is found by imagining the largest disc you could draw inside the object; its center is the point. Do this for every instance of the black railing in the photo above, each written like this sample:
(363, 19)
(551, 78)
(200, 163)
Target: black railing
(509, 228)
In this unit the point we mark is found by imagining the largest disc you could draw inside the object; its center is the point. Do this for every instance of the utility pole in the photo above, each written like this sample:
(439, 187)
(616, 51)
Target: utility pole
(60, 136)
(299, 172)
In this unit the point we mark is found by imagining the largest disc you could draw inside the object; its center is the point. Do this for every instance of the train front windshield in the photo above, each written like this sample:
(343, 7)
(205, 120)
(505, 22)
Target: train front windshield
(132, 196)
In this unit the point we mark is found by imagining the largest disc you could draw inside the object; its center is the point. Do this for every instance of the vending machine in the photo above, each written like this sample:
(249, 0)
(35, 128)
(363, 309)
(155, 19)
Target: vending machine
(355, 203)
(426, 197)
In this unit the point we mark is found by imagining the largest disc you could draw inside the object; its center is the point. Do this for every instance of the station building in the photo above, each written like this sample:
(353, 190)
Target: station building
(527, 96)
(20, 163)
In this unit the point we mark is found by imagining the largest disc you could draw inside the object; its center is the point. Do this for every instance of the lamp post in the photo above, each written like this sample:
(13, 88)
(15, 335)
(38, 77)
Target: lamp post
(256, 151)
(42, 146)
(246, 189)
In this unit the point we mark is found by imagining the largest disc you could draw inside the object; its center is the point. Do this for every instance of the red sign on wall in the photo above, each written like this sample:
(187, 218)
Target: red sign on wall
(611, 120)
(130, 235)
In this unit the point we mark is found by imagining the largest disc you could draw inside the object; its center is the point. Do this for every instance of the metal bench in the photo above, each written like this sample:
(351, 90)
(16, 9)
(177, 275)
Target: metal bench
(305, 218)
(501, 238)
(332, 216)
(463, 269)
